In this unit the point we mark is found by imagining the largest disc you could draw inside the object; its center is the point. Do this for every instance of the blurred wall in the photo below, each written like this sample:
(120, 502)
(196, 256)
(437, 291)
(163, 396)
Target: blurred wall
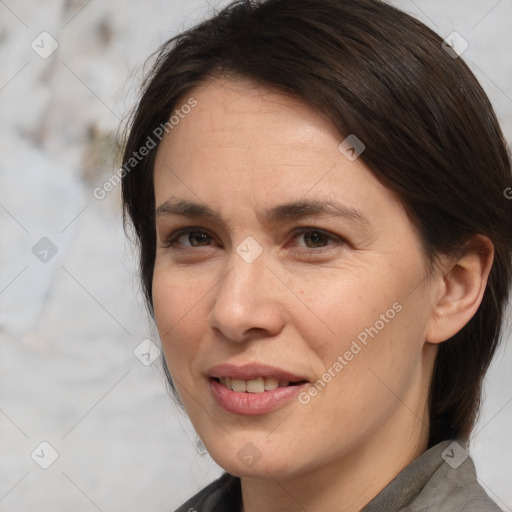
(72, 323)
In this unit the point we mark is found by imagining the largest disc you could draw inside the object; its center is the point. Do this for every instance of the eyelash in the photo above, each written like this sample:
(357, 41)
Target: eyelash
(173, 237)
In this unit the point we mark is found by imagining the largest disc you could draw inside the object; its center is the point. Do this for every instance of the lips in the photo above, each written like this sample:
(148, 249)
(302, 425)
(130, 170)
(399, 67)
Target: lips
(254, 371)
(253, 389)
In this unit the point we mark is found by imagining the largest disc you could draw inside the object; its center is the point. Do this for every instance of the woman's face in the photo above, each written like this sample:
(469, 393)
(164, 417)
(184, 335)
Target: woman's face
(301, 264)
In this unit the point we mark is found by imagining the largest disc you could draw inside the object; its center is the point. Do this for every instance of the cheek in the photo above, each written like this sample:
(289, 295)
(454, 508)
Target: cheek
(179, 303)
(377, 354)
(338, 305)
(368, 320)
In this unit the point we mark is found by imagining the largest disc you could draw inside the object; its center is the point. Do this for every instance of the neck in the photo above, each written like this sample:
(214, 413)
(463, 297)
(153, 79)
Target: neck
(340, 487)
(353, 477)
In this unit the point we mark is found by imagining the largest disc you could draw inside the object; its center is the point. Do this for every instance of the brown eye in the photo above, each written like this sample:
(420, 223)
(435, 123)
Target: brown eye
(194, 236)
(199, 237)
(315, 239)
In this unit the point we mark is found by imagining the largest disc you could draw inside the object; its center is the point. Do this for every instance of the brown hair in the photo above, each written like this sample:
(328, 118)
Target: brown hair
(430, 132)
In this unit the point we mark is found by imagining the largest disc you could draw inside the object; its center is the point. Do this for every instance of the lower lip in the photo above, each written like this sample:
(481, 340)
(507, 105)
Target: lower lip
(253, 403)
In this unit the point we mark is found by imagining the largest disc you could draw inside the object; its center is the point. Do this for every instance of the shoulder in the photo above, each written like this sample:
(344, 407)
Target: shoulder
(222, 495)
(453, 486)
(442, 479)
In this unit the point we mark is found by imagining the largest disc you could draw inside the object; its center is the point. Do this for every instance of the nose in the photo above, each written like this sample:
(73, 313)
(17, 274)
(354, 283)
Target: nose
(247, 301)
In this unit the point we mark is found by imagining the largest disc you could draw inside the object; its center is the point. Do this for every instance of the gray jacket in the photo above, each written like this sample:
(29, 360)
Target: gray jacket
(443, 479)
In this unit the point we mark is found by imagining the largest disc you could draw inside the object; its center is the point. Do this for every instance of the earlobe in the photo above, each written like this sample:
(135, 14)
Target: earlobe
(460, 289)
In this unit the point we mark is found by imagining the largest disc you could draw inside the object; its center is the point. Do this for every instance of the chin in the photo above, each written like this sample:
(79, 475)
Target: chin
(249, 459)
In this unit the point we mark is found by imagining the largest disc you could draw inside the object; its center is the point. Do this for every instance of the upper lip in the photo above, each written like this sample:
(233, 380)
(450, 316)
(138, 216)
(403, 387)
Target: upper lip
(252, 371)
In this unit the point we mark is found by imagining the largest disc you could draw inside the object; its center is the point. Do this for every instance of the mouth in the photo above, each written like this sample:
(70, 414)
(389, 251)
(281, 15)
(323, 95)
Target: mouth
(253, 388)
(257, 385)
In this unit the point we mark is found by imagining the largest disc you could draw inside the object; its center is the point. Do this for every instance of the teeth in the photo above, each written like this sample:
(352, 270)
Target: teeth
(255, 385)
(258, 385)
(239, 385)
(271, 383)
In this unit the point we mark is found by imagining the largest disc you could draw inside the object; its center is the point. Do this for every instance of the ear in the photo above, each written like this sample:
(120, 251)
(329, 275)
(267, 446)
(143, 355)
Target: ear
(459, 289)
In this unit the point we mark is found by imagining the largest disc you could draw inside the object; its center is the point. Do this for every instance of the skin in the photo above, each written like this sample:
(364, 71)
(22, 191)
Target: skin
(302, 302)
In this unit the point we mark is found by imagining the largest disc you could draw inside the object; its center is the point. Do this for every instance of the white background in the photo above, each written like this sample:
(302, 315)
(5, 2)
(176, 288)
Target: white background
(68, 327)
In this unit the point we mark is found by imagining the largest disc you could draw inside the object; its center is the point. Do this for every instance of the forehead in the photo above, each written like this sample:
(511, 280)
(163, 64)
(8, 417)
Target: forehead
(248, 125)
(247, 144)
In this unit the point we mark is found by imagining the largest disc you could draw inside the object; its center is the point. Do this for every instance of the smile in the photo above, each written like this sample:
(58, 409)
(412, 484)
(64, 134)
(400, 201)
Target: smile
(253, 388)
(258, 385)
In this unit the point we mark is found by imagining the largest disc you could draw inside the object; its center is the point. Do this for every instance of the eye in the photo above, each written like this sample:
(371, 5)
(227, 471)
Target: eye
(195, 236)
(315, 238)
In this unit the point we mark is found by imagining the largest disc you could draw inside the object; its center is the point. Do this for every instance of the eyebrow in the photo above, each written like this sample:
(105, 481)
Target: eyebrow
(287, 211)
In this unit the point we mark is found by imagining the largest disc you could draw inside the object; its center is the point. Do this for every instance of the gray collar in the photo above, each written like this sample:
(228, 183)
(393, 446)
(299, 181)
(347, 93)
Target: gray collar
(442, 479)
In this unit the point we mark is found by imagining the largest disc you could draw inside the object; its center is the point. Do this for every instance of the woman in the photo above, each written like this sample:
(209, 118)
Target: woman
(317, 187)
